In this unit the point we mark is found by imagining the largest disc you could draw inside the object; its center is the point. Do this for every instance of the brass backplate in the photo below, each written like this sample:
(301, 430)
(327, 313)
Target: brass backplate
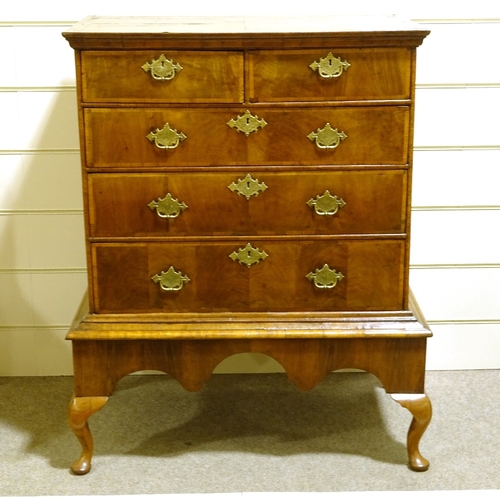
(327, 137)
(171, 280)
(248, 255)
(162, 68)
(168, 207)
(247, 123)
(326, 204)
(166, 137)
(325, 278)
(329, 66)
(247, 187)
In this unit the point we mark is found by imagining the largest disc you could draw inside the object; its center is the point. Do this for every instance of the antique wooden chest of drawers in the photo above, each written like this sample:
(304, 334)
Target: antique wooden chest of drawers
(247, 188)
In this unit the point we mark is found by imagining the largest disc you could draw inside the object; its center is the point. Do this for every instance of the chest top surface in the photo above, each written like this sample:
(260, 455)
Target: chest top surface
(244, 32)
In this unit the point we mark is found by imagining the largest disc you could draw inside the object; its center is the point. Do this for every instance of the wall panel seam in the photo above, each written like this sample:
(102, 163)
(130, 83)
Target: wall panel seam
(423, 86)
(57, 88)
(484, 147)
(464, 20)
(456, 86)
(48, 151)
(49, 270)
(419, 208)
(41, 211)
(442, 322)
(39, 151)
(4, 328)
(455, 266)
(36, 24)
(458, 148)
(64, 270)
(464, 322)
(55, 23)
(453, 208)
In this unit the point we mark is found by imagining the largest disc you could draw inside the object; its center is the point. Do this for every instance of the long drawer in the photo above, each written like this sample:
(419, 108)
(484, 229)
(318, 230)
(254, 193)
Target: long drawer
(240, 203)
(248, 276)
(328, 75)
(148, 138)
(173, 76)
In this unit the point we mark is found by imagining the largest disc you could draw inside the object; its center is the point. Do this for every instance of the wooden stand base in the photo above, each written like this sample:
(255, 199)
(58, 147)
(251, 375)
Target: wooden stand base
(392, 348)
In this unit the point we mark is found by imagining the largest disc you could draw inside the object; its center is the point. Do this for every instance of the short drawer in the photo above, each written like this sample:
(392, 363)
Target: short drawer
(172, 76)
(247, 203)
(248, 276)
(329, 75)
(177, 137)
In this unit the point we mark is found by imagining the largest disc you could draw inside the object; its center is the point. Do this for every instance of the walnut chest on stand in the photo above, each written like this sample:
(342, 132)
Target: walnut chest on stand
(247, 188)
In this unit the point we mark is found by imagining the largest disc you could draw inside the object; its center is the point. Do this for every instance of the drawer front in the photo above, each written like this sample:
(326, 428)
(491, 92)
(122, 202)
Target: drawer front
(114, 76)
(316, 75)
(208, 136)
(241, 203)
(284, 276)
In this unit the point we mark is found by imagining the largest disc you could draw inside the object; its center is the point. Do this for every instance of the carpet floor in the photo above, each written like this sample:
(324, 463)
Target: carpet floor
(249, 433)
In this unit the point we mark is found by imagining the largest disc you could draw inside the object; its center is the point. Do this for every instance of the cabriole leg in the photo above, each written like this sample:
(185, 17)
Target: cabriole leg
(80, 409)
(420, 407)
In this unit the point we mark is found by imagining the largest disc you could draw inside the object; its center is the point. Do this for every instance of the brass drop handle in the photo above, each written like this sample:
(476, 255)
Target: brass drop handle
(327, 137)
(166, 137)
(168, 207)
(326, 204)
(171, 280)
(162, 68)
(329, 66)
(325, 278)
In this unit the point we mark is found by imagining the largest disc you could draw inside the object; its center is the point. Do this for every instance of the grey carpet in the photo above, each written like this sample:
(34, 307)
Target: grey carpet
(249, 433)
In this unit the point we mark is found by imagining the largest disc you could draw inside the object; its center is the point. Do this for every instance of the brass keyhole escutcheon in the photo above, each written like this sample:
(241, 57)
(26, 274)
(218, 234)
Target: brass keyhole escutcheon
(248, 255)
(171, 280)
(247, 187)
(247, 123)
(168, 207)
(162, 68)
(326, 204)
(327, 137)
(329, 66)
(325, 278)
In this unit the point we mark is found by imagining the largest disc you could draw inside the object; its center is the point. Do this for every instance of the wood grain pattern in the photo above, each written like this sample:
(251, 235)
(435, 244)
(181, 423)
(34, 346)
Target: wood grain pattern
(116, 138)
(398, 363)
(285, 75)
(373, 271)
(375, 203)
(205, 77)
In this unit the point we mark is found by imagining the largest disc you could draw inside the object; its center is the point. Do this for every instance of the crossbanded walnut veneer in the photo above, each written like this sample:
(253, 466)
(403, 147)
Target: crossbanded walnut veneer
(247, 188)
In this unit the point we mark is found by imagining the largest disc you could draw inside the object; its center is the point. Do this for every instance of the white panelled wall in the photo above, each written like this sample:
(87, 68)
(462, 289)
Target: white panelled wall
(455, 262)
